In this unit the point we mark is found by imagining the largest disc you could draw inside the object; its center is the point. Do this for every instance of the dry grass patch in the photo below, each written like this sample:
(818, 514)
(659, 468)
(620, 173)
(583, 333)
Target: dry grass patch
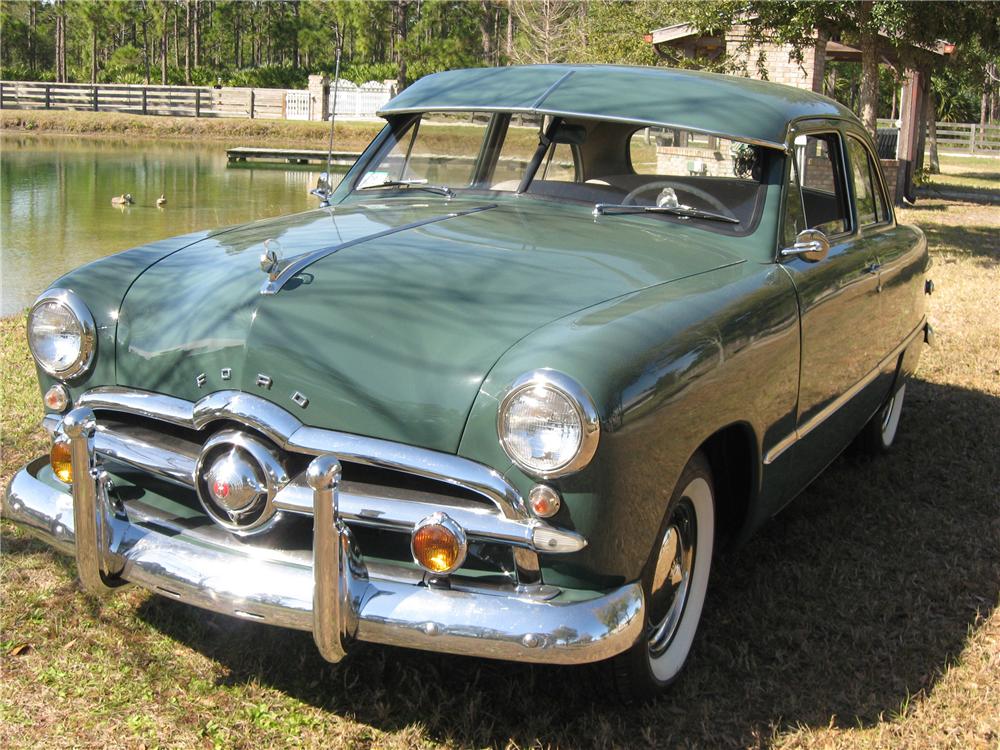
(866, 615)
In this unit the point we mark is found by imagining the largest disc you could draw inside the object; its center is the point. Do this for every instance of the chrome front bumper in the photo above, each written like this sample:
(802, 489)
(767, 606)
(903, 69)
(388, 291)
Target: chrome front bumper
(335, 597)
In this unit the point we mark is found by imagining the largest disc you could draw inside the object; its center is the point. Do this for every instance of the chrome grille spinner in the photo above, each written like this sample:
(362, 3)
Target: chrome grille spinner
(237, 477)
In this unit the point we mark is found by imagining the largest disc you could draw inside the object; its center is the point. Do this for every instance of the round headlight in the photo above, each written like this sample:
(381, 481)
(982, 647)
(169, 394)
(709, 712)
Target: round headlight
(61, 334)
(548, 424)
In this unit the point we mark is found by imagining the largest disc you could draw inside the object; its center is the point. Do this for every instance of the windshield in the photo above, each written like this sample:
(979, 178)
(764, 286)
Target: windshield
(682, 175)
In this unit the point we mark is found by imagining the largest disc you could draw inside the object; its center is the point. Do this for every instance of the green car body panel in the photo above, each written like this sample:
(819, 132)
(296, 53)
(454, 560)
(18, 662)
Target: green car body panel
(415, 329)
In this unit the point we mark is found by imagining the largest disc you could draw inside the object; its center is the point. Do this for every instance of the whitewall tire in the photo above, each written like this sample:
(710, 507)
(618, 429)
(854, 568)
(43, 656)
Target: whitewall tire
(675, 582)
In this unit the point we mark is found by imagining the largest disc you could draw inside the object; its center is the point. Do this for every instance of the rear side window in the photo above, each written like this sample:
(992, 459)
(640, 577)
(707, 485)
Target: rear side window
(868, 197)
(821, 179)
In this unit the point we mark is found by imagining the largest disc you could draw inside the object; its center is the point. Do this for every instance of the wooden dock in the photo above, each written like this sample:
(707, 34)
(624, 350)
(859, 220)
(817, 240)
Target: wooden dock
(291, 155)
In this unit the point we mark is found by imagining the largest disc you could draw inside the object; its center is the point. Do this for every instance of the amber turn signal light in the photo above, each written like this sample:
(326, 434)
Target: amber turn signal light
(438, 544)
(59, 459)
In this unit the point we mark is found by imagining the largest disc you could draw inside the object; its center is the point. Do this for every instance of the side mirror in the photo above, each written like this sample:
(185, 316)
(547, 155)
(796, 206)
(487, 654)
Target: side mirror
(810, 244)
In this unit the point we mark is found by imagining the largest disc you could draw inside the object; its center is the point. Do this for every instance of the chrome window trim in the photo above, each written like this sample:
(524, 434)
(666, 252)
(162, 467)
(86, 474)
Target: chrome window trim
(586, 409)
(566, 113)
(290, 434)
(88, 335)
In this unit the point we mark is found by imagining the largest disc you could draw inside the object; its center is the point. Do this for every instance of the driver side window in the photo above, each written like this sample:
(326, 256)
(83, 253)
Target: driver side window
(819, 170)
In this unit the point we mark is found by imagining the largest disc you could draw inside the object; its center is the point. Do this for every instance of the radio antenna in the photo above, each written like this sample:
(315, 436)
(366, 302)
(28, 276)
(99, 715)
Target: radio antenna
(323, 187)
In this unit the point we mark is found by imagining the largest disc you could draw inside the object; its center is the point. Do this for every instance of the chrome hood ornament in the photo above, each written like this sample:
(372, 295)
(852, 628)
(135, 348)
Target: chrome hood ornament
(271, 261)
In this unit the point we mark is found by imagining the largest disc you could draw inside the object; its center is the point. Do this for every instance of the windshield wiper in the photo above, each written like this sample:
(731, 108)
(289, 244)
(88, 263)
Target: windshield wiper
(603, 209)
(418, 184)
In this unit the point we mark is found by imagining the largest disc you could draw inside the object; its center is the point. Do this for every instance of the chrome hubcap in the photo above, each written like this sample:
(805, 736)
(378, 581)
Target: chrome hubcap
(672, 577)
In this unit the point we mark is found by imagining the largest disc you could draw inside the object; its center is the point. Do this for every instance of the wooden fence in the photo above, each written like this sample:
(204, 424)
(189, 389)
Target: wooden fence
(190, 101)
(961, 137)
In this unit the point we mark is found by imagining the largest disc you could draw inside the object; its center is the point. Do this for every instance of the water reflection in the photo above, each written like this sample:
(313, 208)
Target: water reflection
(56, 211)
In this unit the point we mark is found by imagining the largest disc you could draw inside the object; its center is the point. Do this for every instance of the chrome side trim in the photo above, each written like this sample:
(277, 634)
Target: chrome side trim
(295, 266)
(289, 433)
(827, 411)
(378, 507)
(229, 578)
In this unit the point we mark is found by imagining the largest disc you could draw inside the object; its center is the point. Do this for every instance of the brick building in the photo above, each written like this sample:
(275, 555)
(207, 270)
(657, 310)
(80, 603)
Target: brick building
(777, 62)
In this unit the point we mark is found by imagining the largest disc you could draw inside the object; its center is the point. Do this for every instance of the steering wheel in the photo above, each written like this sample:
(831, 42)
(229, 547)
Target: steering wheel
(714, 202)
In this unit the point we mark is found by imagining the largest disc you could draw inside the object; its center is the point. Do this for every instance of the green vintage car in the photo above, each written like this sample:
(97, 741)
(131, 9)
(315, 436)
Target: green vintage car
(558, 335)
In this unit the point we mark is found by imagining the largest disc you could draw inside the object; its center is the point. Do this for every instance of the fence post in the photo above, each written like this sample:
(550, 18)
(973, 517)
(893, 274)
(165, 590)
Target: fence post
(197, 102)
(251, 103)
(94, 94)
(144, 100)
(1, 94)
(48, 96)
(972, 138)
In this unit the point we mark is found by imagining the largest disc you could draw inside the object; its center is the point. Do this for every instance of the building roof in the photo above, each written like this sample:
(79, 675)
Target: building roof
(739, 108)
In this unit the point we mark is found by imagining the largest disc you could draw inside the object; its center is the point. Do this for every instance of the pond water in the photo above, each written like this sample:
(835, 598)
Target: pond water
(56, 212)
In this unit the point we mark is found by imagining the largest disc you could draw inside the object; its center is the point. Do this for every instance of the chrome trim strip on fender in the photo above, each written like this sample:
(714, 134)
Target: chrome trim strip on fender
(827, 411)
(229, 578)
(296, 265)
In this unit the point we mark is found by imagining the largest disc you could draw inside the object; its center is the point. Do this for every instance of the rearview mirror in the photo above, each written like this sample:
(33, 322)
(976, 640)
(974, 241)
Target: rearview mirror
(571, 135)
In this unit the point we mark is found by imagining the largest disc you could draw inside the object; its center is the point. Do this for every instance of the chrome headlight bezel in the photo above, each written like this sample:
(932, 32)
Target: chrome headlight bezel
(583, 405)
(88, 333)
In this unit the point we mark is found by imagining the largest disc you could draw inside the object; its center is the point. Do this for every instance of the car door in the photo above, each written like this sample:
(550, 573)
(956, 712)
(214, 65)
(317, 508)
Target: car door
(838, 297)
(900, 257)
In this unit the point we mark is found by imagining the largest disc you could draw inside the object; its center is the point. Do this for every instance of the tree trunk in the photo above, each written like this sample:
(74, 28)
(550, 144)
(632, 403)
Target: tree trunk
(93, 53)
(31, 35)
(869, 68)
(399, 13)
(296, 57)
(238, 48)
(935, 164)
(485, 30)
(163, 49)
(510, 33)
(56, 46)
(145, 49)
(197, 33)
(177, 42)
(187, 42)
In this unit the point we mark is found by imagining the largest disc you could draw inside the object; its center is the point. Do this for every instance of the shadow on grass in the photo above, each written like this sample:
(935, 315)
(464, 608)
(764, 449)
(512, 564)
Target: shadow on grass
(954, 192)
(854, 599)
(975, 241)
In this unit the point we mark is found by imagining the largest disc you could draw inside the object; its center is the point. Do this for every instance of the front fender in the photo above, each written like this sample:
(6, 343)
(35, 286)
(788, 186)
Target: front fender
(102, 285)
(667, 367)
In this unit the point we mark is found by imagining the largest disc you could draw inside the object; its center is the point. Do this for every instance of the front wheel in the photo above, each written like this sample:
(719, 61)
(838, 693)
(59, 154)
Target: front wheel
(674, 582)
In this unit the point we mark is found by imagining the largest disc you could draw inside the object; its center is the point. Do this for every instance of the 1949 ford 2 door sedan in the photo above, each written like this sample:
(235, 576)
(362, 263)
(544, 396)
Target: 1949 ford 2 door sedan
(558, 334)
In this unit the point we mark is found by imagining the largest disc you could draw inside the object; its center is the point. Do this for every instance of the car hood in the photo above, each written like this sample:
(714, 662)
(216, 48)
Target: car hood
(392, 333)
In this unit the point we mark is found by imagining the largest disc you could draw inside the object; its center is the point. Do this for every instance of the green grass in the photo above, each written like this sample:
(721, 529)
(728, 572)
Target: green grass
(966, 177)
(865, 615)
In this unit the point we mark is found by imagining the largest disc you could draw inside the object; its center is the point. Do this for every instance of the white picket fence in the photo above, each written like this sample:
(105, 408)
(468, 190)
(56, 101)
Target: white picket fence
(360, 101)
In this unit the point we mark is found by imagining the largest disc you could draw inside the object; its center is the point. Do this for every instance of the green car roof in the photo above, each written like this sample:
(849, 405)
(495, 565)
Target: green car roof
(739, 108)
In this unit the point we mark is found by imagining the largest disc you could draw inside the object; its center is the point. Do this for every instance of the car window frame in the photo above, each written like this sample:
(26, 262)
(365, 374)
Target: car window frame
(878, 184)
(796, 130)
